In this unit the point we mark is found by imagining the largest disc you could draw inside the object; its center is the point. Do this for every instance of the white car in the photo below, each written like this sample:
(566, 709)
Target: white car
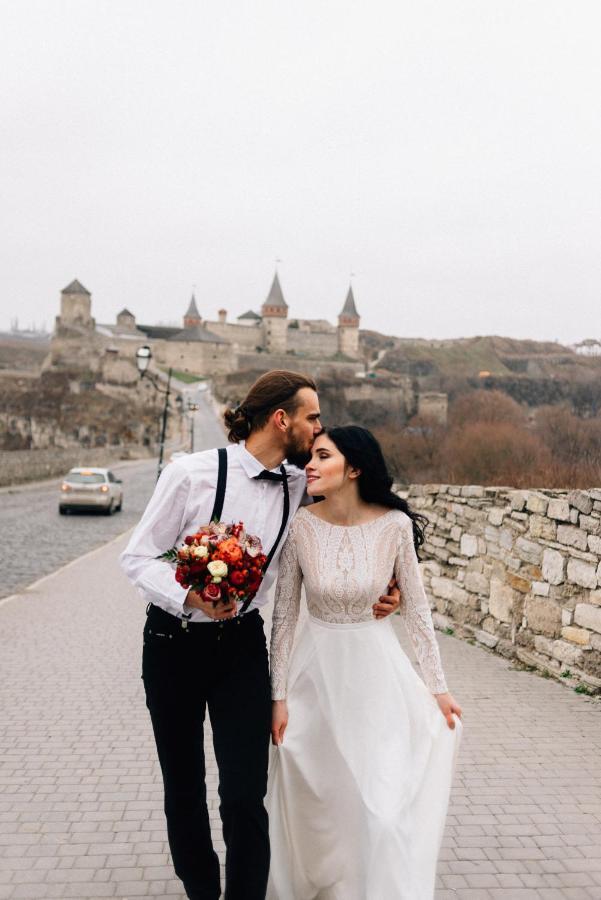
(91, 489)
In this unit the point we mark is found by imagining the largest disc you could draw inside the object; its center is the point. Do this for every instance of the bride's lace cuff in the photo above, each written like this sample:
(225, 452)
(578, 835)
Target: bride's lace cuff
(285, 615)
(416, 613)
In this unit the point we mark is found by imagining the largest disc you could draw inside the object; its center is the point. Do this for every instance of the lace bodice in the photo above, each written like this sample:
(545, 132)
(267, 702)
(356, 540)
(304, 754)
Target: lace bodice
(345, 569)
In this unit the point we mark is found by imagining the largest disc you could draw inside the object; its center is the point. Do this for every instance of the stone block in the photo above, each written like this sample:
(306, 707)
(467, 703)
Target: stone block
(517, 500)
(567, 653)
(458, 594)
(543, 644)
(582, 573)
(540, 588)
(506, 538)
(457, 561)
(595, 596)
(581, 500)
(567, 616)
(590, 523)
(441, 586)
(472, 490)
(496, 516)
(501, 601)
(559, 510)
(489, 640)
(542, 527)
(572, 536)
(469, 544)
(594, 544)
(528, 551)
(553, 566)
(456, 532)
(543, 616)
(576, 635)
(477, 583)
(588, 616)
(537, 503)
(523, 585)
(433, 567)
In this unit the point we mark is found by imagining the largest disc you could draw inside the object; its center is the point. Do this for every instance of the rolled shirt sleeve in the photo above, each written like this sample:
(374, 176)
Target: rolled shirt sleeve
(164, 520)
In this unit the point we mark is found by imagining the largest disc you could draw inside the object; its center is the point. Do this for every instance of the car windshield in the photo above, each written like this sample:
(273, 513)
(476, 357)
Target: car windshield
(85, 478)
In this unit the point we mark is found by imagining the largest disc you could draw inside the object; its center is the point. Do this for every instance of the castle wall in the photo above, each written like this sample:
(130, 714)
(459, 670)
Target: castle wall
(318, 343)
(195, 356)
(247, 337)
(517, 571)
(257, 362)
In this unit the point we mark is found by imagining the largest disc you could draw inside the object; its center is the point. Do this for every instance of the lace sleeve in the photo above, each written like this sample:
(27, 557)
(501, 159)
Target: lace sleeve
(415, 611)
(285, 615)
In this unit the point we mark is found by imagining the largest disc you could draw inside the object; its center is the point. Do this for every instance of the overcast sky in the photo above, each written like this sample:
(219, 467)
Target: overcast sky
(447, 153)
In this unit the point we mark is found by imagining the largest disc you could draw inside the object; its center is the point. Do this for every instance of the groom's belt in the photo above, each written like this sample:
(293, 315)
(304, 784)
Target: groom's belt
(170, 624)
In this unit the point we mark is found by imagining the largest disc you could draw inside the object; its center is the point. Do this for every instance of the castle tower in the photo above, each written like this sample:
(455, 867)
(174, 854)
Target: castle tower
(76, 308)
(192, 316)
(348, 327)
(275, 319)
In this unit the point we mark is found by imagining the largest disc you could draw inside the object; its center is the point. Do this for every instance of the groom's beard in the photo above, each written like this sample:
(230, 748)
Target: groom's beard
(298, 457)
(297, 454)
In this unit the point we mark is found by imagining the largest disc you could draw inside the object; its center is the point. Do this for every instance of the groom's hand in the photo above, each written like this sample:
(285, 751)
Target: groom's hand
(389, 603)
(221, 611)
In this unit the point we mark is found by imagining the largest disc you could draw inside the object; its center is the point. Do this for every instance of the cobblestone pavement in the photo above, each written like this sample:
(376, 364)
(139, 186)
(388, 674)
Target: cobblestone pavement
(80, 790)
(29, 513)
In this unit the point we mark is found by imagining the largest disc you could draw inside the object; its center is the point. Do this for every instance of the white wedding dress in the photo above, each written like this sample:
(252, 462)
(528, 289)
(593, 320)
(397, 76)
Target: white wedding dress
(359, 789)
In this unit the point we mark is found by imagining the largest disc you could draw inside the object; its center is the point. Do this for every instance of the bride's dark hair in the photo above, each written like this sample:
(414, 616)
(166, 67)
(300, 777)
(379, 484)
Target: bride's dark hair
(362, 451)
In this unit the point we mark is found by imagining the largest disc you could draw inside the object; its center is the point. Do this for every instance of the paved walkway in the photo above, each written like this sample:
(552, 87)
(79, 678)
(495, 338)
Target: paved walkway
(80, 791)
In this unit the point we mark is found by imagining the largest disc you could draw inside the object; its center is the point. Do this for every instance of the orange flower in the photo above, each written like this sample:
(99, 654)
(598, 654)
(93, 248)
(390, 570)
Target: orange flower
(230, 551)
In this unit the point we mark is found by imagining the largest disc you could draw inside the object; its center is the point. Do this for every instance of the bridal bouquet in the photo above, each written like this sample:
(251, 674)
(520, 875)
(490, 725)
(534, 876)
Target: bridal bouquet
(221, 562)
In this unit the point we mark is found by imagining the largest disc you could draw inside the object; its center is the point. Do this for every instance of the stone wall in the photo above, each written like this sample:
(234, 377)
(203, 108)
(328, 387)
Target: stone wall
(517, 571)
(19, 466)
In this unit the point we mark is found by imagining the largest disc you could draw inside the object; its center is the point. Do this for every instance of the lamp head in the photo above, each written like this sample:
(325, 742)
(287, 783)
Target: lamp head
(143, 357)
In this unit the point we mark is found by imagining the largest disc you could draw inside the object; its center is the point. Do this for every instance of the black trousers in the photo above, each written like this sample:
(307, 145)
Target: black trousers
(221, 667)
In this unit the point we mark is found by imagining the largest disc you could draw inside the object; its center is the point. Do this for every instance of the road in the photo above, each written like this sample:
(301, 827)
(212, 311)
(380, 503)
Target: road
(36, 540)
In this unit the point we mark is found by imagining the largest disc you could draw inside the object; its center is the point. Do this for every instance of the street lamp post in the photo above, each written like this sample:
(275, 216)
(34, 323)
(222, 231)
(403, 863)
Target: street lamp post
(143, 357)
(192, 408)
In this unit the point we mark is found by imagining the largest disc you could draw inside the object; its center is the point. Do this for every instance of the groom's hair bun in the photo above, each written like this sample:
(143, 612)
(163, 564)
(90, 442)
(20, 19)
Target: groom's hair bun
(277, 389)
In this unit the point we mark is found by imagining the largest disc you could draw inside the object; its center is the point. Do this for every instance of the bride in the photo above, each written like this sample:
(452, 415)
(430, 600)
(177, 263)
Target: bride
(359, 784)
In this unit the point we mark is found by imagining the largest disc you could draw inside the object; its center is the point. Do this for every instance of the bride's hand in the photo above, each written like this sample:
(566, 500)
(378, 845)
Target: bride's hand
(448, 705)
(279, 720)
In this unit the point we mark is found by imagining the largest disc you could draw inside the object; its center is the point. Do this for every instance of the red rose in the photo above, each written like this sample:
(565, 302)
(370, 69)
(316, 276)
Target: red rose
(189, 540)
(237, 578)
(211, 593)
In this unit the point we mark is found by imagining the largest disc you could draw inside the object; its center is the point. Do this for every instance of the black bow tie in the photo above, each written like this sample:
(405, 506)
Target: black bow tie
(266, 475)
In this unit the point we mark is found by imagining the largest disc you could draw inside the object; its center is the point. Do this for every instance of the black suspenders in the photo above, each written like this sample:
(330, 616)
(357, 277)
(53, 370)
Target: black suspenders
(221, 483)
(218, 510)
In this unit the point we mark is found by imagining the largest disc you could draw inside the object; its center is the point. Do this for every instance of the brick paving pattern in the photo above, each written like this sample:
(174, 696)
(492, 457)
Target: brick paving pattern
(80, 790)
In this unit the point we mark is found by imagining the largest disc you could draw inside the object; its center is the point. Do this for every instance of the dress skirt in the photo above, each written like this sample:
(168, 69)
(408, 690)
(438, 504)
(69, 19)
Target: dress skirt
(359, 789)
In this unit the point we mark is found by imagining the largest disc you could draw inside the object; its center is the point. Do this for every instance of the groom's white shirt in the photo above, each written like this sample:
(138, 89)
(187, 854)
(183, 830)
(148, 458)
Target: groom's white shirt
(183, 500)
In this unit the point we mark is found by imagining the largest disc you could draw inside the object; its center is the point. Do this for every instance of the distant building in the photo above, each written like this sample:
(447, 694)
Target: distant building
(201, 346)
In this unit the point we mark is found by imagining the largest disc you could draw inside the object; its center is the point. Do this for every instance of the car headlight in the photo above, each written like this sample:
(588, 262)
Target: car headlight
(65, 487)
(105, 488)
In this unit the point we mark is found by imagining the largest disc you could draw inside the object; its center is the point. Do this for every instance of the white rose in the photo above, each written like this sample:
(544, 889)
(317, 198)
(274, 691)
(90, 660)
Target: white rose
(200, 552)
(218, 568)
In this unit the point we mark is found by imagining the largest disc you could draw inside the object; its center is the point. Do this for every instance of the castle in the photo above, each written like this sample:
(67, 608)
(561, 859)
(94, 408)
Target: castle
(201, 347)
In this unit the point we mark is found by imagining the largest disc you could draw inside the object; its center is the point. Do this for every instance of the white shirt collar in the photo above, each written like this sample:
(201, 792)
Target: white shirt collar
(253, 467)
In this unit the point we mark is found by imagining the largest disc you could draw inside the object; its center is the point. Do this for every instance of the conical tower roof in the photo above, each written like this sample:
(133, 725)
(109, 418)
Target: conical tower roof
(192, 311)
(349, 308)
(275, 296)
(76, 287)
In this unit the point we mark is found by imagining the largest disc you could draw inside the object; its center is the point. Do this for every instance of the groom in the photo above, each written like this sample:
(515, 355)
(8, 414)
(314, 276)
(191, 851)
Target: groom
(197, 657)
